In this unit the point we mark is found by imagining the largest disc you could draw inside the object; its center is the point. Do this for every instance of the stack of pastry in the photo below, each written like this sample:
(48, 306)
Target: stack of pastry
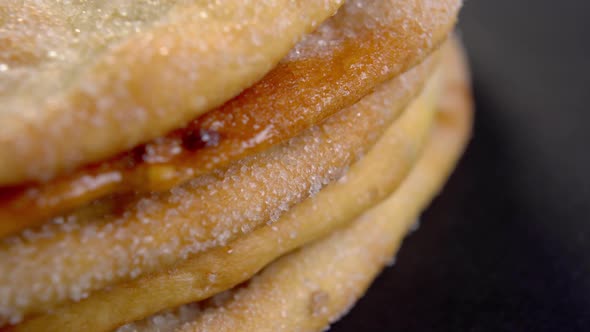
(216, 165)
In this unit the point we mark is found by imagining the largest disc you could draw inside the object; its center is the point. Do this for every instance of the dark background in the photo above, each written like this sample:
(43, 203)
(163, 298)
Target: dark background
(506, 247)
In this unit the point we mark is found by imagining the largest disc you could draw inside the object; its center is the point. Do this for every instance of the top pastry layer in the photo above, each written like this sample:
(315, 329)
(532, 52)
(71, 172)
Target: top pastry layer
(83, 80)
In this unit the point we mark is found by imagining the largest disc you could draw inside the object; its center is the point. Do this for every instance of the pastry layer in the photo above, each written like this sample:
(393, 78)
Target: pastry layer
(311, 288)
(83, 80)
(364, 45)
(40, 268)
(367, 182)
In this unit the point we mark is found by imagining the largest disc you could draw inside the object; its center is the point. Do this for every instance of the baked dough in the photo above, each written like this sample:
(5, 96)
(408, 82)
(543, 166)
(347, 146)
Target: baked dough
(221, 268)
(364, 45)
(83, 80)
(312, 287)
(147, 233)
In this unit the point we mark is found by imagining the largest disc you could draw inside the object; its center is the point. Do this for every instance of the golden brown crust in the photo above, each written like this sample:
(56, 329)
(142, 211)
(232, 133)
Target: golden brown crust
(83, 81)
(370, 179)
(354, 51)
(89, 268)
(311, 288)
(149, 233)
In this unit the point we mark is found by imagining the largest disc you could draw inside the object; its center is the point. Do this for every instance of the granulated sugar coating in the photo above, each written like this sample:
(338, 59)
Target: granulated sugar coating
(82, 80)
(46, 41)
(311, 288)
(168, 320)
(367, 182)
(42, 267)
(182, 202)
(363, 45)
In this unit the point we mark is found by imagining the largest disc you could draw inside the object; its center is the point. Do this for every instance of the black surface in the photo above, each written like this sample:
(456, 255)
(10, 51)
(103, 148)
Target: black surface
(506, 247)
